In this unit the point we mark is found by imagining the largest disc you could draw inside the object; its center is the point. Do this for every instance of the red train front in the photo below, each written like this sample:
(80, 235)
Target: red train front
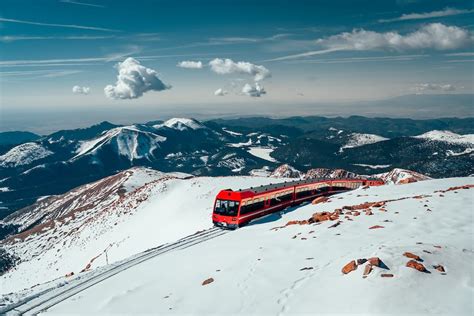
(233, 209)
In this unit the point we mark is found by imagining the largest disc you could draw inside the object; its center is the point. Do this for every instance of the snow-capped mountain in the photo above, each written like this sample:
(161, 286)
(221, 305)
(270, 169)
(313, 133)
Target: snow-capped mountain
(358, 139)
(448, 137)
(63, 160)
(387, 238)
(401, 176)
(329, 173)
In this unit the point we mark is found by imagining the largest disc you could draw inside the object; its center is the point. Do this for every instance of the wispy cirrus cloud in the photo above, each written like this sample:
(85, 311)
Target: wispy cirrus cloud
(83, 3)
(14, 38)
(427, 15)
(71, 26)
(436, 36)
(189, 64)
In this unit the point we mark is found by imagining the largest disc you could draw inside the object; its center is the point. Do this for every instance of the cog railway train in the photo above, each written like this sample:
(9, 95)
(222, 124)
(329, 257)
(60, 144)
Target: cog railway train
(233, 209)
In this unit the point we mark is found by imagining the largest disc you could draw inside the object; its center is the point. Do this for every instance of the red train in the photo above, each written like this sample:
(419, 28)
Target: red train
(233, 209)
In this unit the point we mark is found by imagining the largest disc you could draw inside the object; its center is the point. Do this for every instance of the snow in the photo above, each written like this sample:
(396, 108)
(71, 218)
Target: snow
(262, 152)
(464, 152)
(357, 140)
(231, 132)
(257, 270)
(181, 124)
(447, 136)
(372, 166)
(155, 208)
(129, 141)
(248, 143)
(24, 154)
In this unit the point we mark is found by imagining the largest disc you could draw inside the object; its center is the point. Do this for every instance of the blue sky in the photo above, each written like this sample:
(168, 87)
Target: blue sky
(314, 51)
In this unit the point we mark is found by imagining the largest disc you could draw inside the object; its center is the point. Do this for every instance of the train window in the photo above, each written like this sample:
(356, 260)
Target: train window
(227, 208)
(252, 206)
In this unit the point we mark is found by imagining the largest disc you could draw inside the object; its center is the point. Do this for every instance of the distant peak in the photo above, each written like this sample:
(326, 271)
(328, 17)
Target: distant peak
(447, 136)
(182, 124)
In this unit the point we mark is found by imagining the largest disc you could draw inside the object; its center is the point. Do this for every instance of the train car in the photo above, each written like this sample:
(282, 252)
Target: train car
(233, 209)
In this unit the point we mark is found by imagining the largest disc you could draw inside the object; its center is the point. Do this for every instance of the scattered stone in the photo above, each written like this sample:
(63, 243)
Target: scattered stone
(306, 268)
(419, 243)
(310, 232)
(361, 261)
(376, 226)
(428, 210)
(207, 281)
(412, 256)
(304, 222)
(417, 266)
(367, 270)
(351, 266)
(303, 238)
(335, 224)
(309, 258)
(427, 251)
(375, 261)
(396, 212)
(369, 212)
(321, 199)
(356, 213)
(70, 274)
(439, 267)
(438, 247)
(294, 237)
(386, 275)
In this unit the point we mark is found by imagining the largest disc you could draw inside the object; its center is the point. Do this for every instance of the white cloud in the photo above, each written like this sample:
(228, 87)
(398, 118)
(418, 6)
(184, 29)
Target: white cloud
(228, 66)
(253, 91)
(83, 3)
(81, 90)
(190, 64)
(428, 15)
(134, 80)
(220, 92)
(421, 87)
(435, 36)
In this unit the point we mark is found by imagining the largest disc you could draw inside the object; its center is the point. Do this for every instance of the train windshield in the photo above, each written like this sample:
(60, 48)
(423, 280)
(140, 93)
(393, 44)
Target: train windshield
(227, 208)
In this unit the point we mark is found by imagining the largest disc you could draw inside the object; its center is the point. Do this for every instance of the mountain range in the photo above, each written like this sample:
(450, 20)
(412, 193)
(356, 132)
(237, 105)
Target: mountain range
(56, 163)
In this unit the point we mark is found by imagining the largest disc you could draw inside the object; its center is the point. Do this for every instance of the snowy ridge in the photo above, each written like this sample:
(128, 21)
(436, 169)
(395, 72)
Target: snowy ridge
(181, 124)
(448, 137)
(357, 140)
(401, 176)
(286, 171)
(23, 154)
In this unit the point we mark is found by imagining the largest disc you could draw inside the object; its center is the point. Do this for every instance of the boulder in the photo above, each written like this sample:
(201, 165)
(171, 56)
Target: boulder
(361, 261)
(375, 261)
(439, 267)
(386, 275)
(351, 266)
(416, 265)
(321, 199)
(367, 270)
(412, 256)
(207, 281)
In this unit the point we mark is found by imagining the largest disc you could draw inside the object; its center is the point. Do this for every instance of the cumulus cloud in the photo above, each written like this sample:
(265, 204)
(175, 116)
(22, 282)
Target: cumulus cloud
(134, 80)
(228, 66)
(435, 36)
(81, 90)
(220, 92)
(428, 15)
(190, 64)
(421, 87)
(253, 90)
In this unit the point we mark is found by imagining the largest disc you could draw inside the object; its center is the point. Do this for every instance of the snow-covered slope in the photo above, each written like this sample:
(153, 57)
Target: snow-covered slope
(23, 154)
(121, 215)
(401, 176)
(448, 137)
(273, 268)
(357, 140)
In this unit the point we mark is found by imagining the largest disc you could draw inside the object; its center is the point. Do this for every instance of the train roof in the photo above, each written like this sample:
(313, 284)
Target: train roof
(288, 184)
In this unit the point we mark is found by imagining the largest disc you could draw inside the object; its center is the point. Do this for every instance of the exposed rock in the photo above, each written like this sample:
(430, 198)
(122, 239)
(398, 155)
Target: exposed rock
(361, 261)
(303, 222)
(412, 256)
(335, 224)
(207, 281)
(286, 171)
(375, 261)
(426, 251)
(417, 266)
(376, 226)
(329, 173)
(439, 267)
(369, 212)
(306, 268)
(367, 270)
(351, 266)
(70, 274)
(321, 199)
(386, 275)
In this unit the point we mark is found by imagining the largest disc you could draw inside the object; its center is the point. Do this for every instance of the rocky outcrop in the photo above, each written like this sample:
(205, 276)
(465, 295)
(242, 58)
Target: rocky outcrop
(329, 173)
(412, 256)
(207, 281)
(286, 171)
(417, 266)
(351, 266)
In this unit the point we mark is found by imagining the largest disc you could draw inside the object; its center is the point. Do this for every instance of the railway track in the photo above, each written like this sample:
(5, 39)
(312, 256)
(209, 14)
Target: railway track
(46, 299)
